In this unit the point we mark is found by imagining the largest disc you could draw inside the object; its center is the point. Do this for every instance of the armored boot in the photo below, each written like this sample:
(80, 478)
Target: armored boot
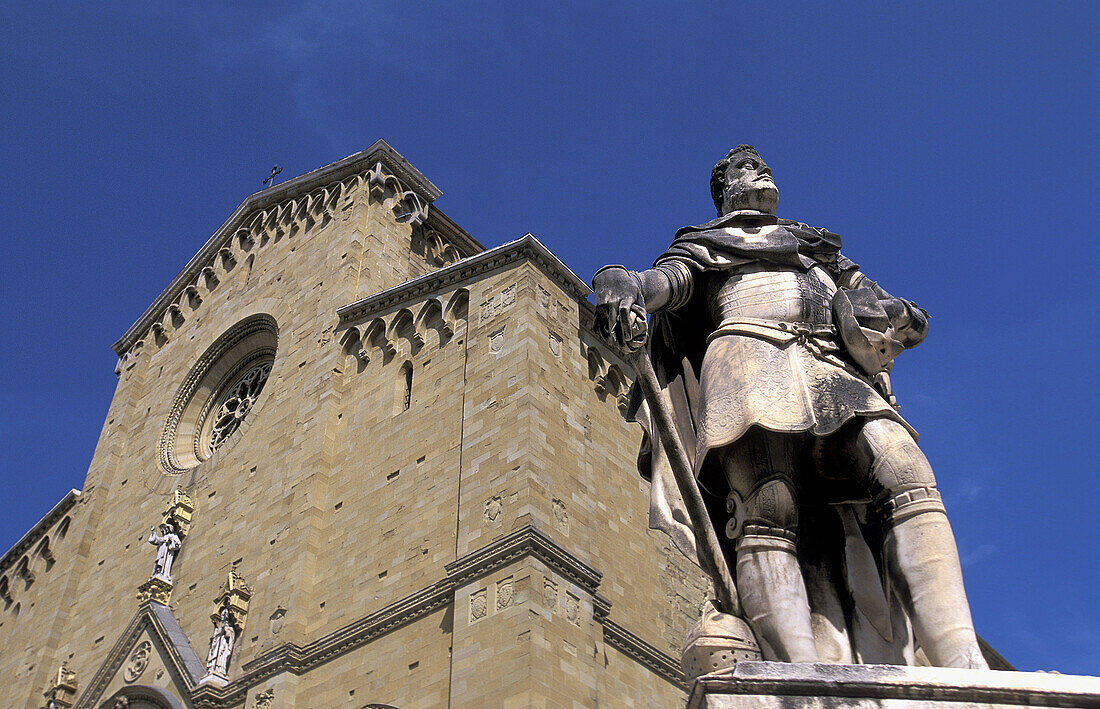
(773, 595)
(924, 566)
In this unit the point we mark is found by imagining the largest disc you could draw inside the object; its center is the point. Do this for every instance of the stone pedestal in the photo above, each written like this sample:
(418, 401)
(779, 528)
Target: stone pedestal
(157, 589)
(776, 685)
(214, 680)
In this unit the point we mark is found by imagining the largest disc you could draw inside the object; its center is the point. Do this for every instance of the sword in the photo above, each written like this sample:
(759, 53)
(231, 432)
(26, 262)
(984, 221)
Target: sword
(706, 539)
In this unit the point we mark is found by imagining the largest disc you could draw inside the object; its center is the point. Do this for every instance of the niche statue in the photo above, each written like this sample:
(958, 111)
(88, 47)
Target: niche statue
(768, 357)
(168, 544)
(221, 643)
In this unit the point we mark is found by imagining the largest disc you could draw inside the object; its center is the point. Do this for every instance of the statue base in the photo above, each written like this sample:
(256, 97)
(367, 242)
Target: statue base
(157, 589)
(779, 685)
(214, 680)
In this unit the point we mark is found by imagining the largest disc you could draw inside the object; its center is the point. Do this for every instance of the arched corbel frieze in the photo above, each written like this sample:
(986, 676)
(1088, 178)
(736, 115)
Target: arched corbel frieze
(402, 326)
(23, 571)
(225, 260)
(159, 333)
(431, 317)
(287, 219)
(208, 277)
(5, 592)
(386, 189)
(45, 553)
(610, 381)
(458, 307)
(375, 337)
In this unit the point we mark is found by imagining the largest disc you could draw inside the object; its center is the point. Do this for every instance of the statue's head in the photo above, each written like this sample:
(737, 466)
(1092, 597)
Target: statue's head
(742, 180)
(169, 527)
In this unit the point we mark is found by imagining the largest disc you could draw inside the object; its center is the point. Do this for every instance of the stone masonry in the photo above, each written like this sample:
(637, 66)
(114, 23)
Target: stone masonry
(433, 499)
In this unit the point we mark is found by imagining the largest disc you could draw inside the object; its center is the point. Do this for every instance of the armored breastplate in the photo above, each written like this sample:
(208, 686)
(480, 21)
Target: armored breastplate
(766, 292)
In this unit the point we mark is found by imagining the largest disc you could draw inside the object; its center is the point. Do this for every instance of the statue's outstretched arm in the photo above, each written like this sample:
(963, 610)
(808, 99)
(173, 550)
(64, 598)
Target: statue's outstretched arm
(624, 298)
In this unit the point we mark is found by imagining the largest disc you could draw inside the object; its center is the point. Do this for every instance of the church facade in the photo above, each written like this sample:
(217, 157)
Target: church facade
(396, 470)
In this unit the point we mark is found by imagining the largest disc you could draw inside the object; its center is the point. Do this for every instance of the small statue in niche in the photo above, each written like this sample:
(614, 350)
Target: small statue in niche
(168, 544)
(221, 644)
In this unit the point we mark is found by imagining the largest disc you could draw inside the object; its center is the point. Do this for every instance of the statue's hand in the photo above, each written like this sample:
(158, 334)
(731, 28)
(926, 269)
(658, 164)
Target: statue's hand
(620, 307)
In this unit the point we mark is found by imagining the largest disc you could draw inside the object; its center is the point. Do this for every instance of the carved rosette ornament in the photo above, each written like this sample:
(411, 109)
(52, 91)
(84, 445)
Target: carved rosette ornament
(236, 402)
(62, 690)
(139, 660)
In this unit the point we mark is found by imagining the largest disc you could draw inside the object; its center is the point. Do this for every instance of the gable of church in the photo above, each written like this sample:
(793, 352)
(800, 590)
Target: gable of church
(152, 662)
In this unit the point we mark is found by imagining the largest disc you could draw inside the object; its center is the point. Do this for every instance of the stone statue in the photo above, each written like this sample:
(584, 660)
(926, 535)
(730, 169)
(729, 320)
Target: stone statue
(221, 644)
(168, 545)
(773, 352)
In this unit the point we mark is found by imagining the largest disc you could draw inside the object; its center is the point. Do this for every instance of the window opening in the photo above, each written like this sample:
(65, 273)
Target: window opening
(406, 400)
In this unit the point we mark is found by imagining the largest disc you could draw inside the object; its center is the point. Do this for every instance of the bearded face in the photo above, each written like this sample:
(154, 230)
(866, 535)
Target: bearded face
(749, 185)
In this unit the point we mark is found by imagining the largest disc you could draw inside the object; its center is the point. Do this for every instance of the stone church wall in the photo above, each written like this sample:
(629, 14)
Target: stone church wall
(479, 538)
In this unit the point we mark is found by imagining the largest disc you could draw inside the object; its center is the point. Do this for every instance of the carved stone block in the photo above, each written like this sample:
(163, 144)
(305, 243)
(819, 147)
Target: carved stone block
(157, 589)
(62, 690)
(178, 510)
(780, 685)
(234, 596)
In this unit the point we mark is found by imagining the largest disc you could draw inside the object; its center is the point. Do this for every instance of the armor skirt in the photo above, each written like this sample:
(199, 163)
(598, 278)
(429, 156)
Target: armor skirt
(785, 383)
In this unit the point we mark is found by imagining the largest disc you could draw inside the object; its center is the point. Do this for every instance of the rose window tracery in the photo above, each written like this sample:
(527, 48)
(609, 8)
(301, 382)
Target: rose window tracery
(237, 401)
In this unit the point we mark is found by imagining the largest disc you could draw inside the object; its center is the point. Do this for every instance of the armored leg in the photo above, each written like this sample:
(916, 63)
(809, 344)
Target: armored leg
(920, 552)
(773, 593)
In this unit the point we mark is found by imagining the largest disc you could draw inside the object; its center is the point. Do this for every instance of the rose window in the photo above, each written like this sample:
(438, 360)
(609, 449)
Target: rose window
(223, 389)
(237, 402)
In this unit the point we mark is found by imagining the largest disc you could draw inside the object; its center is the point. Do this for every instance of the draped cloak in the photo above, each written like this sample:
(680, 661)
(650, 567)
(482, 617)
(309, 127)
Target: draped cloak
(839, 543)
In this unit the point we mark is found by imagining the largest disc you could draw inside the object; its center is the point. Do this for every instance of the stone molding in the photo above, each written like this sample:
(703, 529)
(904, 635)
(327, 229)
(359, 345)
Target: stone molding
(526, 247)
(524, 542)
(183, 663)
(297, 659)
(288, 208)
(39, 530)
(845, 685)
(660, 663)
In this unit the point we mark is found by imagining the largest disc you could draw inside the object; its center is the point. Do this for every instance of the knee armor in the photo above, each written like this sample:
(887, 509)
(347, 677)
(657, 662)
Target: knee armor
(898, 475)
(769, 516)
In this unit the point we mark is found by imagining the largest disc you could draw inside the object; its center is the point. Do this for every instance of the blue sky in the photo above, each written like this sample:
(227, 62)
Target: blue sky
(953, 145)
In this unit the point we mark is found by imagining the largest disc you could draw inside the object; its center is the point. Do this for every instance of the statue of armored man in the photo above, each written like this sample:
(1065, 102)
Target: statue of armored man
(769, 354)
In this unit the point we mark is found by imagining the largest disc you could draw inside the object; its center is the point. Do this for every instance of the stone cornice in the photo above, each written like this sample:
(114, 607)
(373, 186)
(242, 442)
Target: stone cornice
(39, 530)
(628, 643)
(526, 247)
(528, 541)
(395, 167)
